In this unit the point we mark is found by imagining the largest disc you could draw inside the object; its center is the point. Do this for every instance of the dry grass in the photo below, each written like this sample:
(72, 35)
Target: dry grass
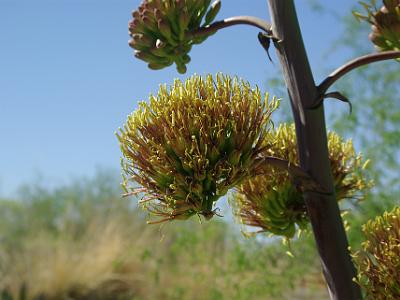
(65, 265)
(102, 250)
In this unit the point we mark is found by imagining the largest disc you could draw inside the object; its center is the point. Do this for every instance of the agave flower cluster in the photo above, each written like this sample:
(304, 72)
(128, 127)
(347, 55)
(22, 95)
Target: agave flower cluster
(378, 262)
(385, 24)
(193, 142)
(160, 30)
(274, 201)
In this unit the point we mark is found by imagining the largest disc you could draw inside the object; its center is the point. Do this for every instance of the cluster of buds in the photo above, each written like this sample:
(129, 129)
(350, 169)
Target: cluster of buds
(385, 24)
(193, 142)
(161, 30)
(274, 203)
(378, 262)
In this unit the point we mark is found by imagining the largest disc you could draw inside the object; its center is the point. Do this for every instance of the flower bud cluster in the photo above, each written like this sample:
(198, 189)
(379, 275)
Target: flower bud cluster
(385, 24)
(160, 30)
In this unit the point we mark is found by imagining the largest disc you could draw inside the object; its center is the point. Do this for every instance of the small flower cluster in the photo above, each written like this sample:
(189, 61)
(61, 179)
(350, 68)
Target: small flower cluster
(274, 203)
(160, 30)
(385, 24)
(378, 262)
(193, 142)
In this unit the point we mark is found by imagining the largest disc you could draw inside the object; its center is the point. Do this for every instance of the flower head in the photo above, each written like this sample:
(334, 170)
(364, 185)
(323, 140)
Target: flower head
(160, 30)
(274, 204)
(193, 142)
(378, 262)
(385, 24)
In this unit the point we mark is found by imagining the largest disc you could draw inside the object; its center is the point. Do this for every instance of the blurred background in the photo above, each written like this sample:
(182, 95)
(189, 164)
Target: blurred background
(68, 80)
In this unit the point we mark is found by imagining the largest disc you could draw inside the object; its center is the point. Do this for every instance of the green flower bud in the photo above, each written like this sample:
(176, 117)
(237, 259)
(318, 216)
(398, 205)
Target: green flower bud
(152, 59)
(165, 29)
(181, 68)
(273, 203)
(170, 22)
(137, 45)
(156, 66)
(171, 144)
(186, 59)
(212, 13)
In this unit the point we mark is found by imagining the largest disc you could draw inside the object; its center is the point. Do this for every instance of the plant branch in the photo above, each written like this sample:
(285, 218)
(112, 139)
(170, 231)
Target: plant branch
(353, 64)
(239, 20)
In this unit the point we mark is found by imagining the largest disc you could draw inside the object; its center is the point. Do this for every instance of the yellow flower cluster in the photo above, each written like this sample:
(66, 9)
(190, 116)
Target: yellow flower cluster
(378, 262)
(273, 202)
(193, 142)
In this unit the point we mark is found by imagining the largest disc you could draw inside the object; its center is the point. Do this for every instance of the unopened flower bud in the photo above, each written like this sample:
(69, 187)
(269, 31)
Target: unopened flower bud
(213, 11)
(171, 22)
(385, 24)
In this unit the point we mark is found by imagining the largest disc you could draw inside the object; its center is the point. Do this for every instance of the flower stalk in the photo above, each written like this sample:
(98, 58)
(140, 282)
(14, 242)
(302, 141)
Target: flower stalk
(311, 134)
(193, 142)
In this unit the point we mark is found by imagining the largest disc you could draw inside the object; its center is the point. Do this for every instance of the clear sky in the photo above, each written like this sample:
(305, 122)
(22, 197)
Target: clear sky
(68, 78)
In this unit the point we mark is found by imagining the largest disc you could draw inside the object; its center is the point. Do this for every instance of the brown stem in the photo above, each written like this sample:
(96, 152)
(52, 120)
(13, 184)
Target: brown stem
(322, 208)
(239, 20)
(353, 64)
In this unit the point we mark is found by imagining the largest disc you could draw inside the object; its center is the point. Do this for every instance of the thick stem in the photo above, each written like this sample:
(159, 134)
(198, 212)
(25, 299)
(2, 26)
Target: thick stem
(322, 208)
(239, 20)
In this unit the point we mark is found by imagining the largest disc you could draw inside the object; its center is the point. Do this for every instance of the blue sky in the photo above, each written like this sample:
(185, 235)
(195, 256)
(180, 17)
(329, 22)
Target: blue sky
(68, 78)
